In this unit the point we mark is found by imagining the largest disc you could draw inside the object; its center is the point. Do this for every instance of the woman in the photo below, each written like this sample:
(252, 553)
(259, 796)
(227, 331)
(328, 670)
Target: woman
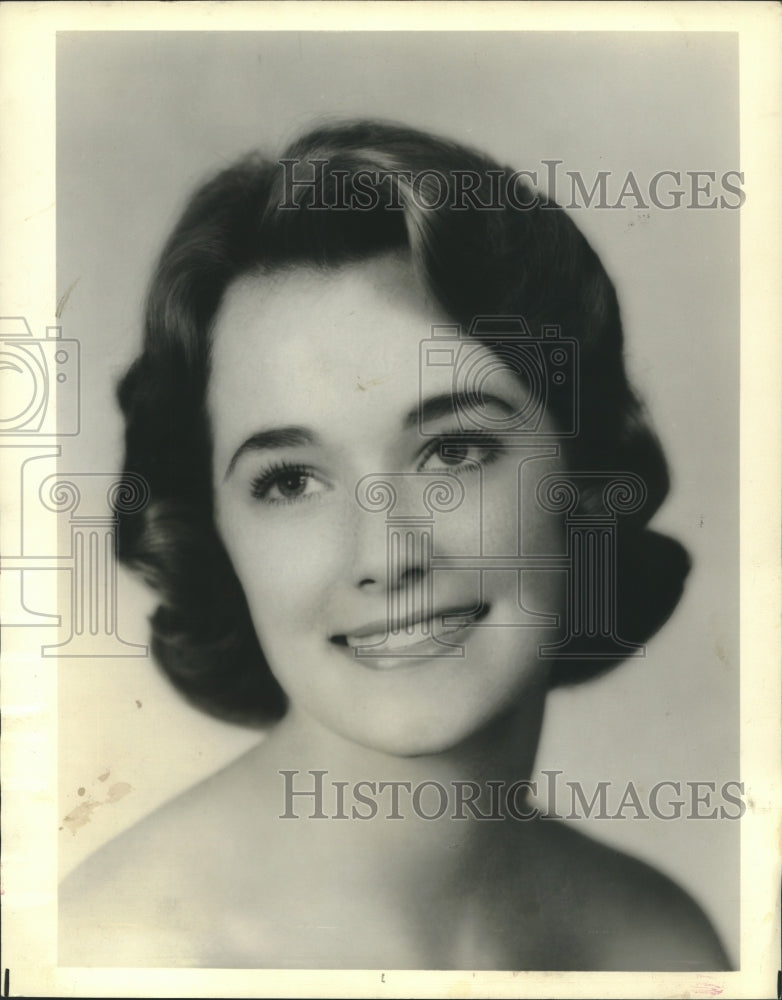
(402, 646)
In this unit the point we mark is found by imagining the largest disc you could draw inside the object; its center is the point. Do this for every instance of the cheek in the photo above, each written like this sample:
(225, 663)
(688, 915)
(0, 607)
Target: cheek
(514, 523)
(511, 520)
(284, 565)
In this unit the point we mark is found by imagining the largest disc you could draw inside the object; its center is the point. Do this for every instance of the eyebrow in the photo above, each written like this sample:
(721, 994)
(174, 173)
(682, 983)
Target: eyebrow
(279, 437)
(450, 403)
(447, 404)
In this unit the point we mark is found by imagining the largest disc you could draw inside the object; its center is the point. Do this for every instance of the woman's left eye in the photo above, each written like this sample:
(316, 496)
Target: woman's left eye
(460, 452)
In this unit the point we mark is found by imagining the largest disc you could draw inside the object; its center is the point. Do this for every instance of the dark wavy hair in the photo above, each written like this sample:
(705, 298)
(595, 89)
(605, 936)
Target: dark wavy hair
(504, 260)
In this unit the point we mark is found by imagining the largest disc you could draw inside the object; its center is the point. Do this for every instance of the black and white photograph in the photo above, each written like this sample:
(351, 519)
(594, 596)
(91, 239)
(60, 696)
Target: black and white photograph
(382, 524)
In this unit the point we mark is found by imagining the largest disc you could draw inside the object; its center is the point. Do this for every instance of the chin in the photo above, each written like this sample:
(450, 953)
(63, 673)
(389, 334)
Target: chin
(414, 747)
(416, 737)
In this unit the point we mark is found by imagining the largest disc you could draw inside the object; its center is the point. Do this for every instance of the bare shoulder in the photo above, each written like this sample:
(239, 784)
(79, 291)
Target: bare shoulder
(148, 897)
(623, 913)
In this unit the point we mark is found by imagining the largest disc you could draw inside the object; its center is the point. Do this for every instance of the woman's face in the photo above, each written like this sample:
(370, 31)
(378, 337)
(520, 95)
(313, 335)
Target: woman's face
(315, 385)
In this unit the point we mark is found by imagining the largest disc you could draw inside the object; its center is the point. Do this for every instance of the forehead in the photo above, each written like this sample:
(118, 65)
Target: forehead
(306, 324)
(334, 351)
(319, 348)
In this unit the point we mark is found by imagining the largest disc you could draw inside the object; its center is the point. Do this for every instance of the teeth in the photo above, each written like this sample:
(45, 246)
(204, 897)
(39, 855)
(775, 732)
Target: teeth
(411, 635)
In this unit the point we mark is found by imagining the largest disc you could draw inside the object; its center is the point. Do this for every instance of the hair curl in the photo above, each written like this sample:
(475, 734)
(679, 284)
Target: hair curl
(501, 261)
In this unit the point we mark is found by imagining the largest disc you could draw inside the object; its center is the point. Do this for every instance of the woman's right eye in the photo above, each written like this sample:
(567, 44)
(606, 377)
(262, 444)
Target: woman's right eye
(285, 484)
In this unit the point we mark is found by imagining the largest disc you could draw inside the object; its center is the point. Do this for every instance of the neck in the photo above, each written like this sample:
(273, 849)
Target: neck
(321, 776)
(375, 854)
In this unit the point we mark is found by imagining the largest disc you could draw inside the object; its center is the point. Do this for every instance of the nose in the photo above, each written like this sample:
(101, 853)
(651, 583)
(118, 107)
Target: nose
(392, 545)
(404, 564)
(389, 555)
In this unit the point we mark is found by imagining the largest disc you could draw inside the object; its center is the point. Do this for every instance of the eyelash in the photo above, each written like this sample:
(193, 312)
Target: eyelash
(491, 445)
(262, 484)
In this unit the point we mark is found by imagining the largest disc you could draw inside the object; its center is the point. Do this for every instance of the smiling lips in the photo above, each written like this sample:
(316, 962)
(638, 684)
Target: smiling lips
(410, 637)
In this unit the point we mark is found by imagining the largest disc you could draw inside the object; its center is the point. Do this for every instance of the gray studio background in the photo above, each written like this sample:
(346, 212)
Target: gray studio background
(142, 117)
